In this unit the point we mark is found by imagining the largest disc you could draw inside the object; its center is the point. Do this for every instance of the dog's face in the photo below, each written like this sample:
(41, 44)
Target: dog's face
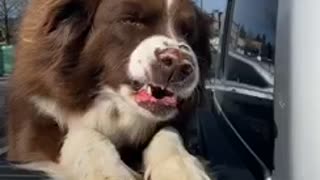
(151, 54)
(147, 52)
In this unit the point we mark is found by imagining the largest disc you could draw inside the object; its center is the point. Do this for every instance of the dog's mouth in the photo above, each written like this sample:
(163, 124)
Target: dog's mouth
(156, 95)
(156, 99)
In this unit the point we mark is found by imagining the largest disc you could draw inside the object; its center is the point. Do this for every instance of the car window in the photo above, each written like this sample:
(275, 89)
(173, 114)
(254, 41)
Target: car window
(242, 83)
(251, 44)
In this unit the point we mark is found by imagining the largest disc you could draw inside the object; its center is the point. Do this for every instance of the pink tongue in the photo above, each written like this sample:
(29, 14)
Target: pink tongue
(143, 97)
(169, 101)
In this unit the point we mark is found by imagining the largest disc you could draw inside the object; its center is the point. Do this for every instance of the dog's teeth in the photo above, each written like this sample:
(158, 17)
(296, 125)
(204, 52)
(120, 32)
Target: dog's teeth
(149, 90)
(145, 87)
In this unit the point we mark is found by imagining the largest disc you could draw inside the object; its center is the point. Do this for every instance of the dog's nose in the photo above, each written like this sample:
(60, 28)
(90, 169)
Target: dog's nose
(175, 63)
(168, 57)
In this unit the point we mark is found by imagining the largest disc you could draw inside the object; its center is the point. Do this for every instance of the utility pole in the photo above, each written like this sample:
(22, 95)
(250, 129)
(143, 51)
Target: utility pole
(201, 4)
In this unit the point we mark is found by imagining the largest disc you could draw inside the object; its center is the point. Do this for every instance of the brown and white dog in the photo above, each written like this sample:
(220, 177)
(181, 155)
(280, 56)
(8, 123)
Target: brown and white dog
(96, 80)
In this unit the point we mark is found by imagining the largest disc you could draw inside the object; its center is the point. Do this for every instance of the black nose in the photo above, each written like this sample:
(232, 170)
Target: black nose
(174, 64)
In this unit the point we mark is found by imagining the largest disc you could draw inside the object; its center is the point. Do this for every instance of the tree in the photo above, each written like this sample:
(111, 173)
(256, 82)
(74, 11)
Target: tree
(264, 39)
(258, 38)
(10, 10)
(243, 33)
(271, 51)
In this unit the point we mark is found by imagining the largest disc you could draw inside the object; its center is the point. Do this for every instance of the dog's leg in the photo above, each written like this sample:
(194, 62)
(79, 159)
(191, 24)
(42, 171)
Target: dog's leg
(88, 155)
(167, 159)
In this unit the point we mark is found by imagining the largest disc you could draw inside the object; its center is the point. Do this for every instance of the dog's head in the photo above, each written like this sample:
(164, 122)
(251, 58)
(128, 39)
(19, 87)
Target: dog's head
(152, 54)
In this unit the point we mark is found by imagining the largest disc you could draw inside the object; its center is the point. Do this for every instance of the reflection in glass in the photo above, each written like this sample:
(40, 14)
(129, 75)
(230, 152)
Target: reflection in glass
(244, 48)
(252, 43)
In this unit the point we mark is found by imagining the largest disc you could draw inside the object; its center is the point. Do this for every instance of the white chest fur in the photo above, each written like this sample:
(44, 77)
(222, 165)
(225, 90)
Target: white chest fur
(110, 115)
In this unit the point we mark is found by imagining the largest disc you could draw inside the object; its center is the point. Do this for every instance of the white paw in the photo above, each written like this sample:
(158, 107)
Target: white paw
(103, 168)
(88, 155)
(121, 172)
(177, 168)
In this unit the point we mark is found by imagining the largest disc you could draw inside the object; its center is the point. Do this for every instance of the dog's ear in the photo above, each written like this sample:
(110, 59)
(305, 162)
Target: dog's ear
(68, 13)
(202, 47)
(204, 54)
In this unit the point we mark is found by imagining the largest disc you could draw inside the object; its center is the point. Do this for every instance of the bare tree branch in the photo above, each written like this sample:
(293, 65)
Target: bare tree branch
(10, 10)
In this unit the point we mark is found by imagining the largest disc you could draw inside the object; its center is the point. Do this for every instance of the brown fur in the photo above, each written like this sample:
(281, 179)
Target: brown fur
(68, 48)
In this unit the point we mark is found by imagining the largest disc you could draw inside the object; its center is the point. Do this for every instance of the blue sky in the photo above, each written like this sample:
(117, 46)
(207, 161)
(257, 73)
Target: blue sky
(209, 5)
(258, 16)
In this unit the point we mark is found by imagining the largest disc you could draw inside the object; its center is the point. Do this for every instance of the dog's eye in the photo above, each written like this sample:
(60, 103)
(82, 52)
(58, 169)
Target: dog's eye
(133, 21)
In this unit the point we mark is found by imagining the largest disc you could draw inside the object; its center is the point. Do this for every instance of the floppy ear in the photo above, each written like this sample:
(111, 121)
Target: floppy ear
(64, 29)
(204, 54)
(67, 14)
(202, 47)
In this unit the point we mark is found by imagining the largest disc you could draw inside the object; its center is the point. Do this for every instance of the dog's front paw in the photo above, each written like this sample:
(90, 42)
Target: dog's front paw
(88, 155)
(177, 168)
(121, 172)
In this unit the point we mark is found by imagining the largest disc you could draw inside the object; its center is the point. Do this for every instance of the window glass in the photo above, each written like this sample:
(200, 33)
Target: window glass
(251, 45)
(242, 82)
(244, 89)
